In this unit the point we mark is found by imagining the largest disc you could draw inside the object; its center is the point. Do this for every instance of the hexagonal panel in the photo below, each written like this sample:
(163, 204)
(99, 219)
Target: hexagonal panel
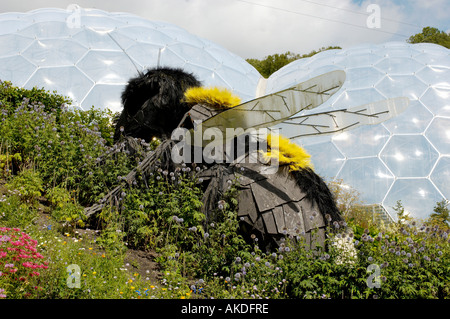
(369, 176)
(413, 120)
(363, 141)
(20, 73)
(437, 100)
(68, 81)
(362, 77)
(435, 75)
(104, 96)
(409, 156)
(439, 134)
(399, 65)
(194, 55)
(355, 97)
(11, 44)
(418, 197)
(49, 29)
(54, 52)
(96, 40)
(107, 67)
(396, 49)
(401, 85)
(441, 176)
(169, 58)
(433, 56)
(361, 58)
(146, 35)
(328, 152)
(9, 25)
(145, 54)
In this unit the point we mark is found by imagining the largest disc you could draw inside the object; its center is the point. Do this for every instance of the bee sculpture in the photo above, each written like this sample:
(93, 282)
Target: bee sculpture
(279, 192)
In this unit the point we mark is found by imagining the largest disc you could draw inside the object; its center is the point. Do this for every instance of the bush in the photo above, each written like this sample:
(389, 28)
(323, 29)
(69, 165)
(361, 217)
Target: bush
(28, 185)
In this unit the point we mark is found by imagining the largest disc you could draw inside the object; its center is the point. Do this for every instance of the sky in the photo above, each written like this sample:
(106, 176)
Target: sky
(257, 28)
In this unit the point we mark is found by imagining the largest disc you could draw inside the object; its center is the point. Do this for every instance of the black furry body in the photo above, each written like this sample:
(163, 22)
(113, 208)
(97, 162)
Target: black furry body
(152, 103)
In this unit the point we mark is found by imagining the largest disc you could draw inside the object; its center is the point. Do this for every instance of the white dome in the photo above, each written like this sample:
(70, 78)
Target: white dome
(89, 55)
(406, 158)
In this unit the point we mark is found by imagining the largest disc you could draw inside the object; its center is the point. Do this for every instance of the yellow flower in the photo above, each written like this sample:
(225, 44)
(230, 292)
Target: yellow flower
(136, 274)
(183, 297)
(132, 288)
(84, 275)
(94, 273)
(120, 292)
(130, 281)
(103, 255)
(64, 243)
(90, 248)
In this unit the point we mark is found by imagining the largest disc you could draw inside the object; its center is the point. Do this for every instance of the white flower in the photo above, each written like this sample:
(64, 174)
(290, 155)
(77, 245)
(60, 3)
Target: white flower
(347, 252)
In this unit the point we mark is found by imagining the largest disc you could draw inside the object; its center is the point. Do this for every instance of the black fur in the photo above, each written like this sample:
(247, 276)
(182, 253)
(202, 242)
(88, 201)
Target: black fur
(317, 191)
(152, 105)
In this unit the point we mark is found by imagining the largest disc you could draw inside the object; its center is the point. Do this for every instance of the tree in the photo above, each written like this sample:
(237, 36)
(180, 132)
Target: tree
(273, 63)
(441, 215)
(431, 35)
(402, 215)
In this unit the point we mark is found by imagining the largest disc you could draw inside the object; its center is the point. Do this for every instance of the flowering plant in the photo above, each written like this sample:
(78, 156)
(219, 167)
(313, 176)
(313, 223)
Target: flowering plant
(20, 263)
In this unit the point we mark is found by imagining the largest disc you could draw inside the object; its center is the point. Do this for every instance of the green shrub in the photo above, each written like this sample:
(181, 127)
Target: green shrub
(65, 209)
(28, 184)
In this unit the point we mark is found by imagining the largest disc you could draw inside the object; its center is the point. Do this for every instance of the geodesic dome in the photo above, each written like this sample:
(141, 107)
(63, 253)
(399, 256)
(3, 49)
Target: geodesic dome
(89, 55)
(406, 158)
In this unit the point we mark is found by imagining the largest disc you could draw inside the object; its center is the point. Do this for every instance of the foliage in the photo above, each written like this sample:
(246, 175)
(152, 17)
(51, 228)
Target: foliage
(12, 97)
(441, 215)
(431, 35)
(73, 151)
(8, 162)
(273, 63)
(65, 209)
(28, 184)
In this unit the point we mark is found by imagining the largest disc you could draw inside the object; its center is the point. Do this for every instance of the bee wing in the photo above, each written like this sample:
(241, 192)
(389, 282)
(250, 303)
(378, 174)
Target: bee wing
(342, 120)
(274, 108)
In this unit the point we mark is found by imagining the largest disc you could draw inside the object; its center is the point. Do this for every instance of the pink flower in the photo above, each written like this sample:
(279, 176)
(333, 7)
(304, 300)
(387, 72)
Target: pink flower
(13, 270)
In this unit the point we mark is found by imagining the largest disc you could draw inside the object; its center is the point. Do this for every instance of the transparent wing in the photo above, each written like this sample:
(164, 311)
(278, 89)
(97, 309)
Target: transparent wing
(274, 108)
(341, 120)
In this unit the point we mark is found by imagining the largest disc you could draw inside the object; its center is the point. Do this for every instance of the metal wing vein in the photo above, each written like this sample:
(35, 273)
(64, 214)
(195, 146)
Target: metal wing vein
(340, 120)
